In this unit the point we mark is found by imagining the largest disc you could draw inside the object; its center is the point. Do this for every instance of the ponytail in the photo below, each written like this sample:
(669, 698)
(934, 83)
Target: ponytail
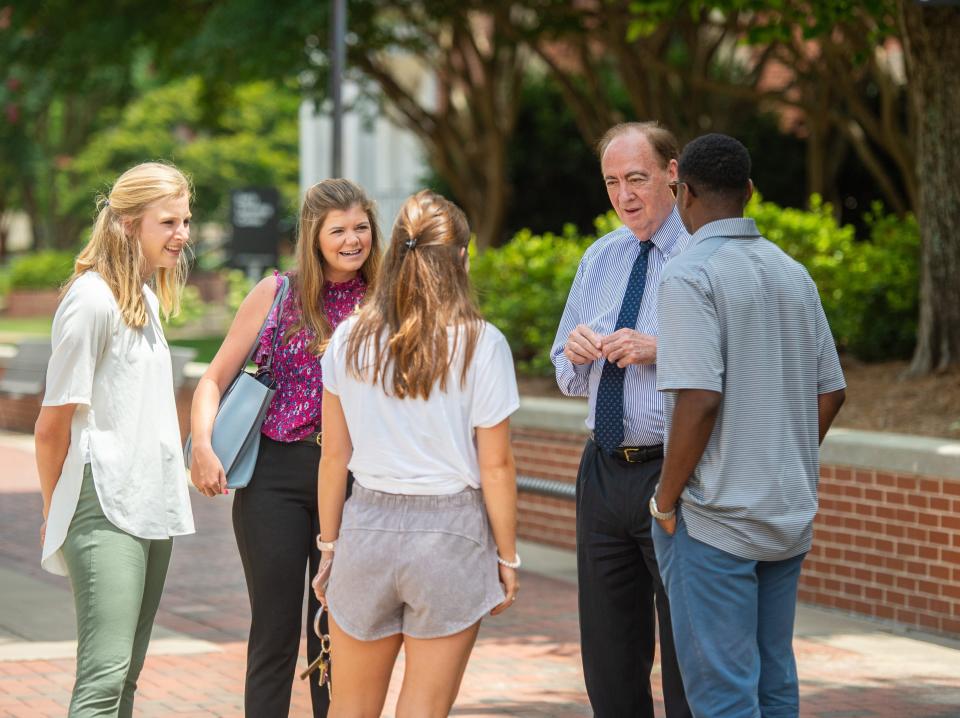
(423, 294)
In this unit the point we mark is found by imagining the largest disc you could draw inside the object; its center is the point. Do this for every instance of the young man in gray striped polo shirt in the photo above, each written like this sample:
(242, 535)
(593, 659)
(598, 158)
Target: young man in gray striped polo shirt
(752, 382)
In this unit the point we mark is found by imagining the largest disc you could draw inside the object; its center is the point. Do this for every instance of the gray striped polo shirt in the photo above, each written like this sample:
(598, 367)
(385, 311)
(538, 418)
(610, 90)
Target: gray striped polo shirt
(740, 317)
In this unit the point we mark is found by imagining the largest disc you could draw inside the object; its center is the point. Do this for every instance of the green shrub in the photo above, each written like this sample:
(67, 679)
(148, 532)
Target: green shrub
(889, 291)
(522, 288)
(238, 287)
(47, 269)
(868, 286)
(192, 307)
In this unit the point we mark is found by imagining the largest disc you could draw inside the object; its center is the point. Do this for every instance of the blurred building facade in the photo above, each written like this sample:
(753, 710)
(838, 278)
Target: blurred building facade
(385, 159)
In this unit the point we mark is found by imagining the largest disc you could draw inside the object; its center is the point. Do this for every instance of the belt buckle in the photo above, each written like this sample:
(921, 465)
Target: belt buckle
(319, 438)
(627, 454)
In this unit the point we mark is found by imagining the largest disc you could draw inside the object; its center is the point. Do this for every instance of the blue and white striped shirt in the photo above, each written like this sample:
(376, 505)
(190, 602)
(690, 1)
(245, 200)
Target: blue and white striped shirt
(594, 300)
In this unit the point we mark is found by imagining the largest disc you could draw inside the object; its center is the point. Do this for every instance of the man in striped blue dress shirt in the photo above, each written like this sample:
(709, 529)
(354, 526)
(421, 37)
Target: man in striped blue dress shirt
(751, 374)
(606, 350)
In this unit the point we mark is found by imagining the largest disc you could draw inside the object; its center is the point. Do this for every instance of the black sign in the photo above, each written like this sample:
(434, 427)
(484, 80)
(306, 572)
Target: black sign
(253, 218)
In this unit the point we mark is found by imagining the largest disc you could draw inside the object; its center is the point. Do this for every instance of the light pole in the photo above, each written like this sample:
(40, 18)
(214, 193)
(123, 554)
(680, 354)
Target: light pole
(338, 31)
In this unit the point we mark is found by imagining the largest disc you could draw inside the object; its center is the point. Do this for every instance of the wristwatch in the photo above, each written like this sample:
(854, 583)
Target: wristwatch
(658, 514)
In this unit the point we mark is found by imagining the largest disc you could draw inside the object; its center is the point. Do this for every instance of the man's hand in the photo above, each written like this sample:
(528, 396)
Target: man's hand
(668, 525)
(583, 345)
(628, 346)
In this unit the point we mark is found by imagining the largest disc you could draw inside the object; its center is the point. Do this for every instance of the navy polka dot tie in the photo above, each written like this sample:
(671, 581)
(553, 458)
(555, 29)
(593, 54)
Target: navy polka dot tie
(608, 416)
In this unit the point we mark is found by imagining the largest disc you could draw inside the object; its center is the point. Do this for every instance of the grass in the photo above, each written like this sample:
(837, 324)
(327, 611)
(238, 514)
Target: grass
(206, 346)
(12, 330)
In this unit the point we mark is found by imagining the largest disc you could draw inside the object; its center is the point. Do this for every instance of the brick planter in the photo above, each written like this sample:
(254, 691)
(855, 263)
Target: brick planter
(32, 303)
(886, 538)
(211, 285)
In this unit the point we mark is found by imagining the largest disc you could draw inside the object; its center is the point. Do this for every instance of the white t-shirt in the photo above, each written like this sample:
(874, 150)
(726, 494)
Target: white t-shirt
(417, 446)
(125, 423)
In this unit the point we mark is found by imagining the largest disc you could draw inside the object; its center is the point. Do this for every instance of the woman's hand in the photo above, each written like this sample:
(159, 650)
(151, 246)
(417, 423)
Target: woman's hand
(511, 587)
(206, 472)
(319, 581)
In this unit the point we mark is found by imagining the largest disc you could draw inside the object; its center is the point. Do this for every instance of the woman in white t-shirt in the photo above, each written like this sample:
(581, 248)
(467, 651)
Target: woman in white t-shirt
(107, 438)
(418, 391)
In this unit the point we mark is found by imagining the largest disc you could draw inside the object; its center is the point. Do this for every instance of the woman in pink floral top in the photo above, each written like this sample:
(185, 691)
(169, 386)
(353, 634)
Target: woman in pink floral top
(294, 413)
(275, 517)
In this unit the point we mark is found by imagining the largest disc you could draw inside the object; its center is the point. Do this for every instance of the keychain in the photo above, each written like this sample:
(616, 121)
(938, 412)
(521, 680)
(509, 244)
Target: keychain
(322, 662)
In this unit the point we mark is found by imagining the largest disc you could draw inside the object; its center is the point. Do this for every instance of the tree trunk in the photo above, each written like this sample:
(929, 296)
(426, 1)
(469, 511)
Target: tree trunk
(4, 232)
(933, 53)
(28, 198)
(488, 217)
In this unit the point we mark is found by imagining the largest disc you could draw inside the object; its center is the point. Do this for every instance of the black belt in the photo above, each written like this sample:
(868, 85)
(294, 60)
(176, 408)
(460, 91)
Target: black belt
(633, 454)
(313, 439)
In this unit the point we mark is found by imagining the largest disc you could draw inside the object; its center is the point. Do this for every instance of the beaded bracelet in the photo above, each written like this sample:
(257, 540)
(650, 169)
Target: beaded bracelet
(509, 564)
(326, 545)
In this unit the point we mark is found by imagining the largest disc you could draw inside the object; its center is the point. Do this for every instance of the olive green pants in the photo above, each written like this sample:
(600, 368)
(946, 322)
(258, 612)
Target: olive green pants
(117, 580)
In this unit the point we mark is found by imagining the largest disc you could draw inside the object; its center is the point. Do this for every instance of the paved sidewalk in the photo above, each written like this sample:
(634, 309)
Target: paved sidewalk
(526, 662)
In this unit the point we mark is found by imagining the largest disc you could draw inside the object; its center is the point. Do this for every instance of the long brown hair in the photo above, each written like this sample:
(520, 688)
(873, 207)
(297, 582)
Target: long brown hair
(116, 255)
(423, 292)
(308, 277)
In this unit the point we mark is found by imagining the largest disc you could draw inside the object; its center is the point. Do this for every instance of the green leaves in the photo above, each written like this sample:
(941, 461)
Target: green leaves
(42, 270)
(255, 145)
(868, 286)
(522, 288)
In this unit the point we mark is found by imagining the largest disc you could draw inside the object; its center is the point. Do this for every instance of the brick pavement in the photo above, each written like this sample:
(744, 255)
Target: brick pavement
(526, 663)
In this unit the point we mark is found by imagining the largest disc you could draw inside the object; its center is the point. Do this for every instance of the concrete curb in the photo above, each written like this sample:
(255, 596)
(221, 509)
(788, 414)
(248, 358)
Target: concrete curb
(874, 450)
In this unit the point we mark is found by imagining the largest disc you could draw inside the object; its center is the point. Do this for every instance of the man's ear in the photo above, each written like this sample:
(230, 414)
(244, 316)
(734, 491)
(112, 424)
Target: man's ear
(672, 170)
(749, 191)
(688, 198)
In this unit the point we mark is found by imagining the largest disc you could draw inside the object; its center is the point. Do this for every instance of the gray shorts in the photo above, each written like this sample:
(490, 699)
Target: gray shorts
(424, 566)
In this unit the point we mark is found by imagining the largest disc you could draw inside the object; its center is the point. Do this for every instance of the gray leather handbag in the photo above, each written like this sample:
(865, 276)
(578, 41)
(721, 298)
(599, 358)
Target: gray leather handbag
(236, 430)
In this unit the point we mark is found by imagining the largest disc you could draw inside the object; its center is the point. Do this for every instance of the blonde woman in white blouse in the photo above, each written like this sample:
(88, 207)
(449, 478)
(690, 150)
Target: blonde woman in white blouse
(107, 438)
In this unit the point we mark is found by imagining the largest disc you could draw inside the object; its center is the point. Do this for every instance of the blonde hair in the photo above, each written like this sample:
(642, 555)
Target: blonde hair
(423, 292)
(117, 256)
(308, 277)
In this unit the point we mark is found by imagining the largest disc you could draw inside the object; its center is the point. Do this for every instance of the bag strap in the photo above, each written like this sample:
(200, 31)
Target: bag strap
(277, 305)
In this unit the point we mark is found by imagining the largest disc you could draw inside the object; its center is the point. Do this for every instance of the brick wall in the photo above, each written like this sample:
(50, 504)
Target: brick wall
(886, 545)
(32, 303)
(19, 413)
(547, 455)
(886, 541)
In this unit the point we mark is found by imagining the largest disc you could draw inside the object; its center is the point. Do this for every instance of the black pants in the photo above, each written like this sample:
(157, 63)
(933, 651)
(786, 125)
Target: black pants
(275, 521)
(619, 586)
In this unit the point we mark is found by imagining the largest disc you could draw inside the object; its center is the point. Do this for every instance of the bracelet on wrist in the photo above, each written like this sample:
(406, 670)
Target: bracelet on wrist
(509, 564)
(326, 545)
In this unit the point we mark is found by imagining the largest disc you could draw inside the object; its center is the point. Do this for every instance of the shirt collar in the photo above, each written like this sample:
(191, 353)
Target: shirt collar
(734, 227)
(666, 236)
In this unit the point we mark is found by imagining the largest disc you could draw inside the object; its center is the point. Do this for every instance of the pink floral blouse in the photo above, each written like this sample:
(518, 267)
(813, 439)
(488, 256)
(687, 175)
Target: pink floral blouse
(294, 412)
